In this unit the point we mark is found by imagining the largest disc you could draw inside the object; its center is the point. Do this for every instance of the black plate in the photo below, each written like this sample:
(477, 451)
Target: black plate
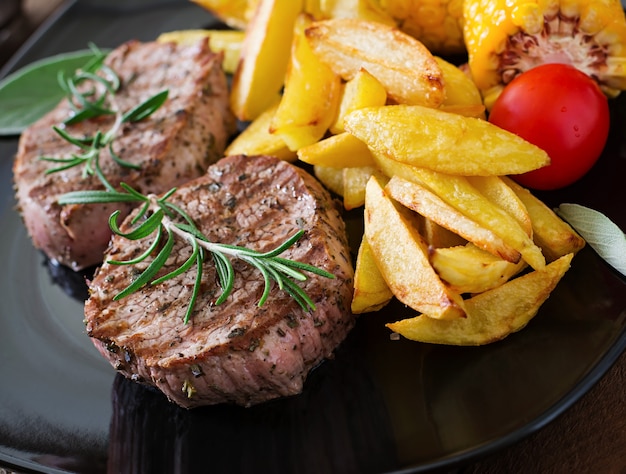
(379, 406)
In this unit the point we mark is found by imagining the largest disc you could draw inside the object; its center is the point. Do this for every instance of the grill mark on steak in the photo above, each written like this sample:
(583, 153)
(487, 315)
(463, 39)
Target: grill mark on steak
(177, 143)
(235, 352)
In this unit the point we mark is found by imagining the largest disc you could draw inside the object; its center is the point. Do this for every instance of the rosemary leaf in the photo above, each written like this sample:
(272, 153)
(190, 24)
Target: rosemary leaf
(144, 255)
(151, 270)
(148, 226)
(185, 266)
(96, 197)
(196, 287)
(146, 108)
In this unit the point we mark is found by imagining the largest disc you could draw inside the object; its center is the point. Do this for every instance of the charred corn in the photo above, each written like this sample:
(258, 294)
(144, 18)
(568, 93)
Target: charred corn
(507, 37)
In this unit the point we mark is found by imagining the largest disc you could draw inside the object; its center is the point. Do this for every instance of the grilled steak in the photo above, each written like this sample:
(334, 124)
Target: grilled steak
(175, 144)
(235, 352)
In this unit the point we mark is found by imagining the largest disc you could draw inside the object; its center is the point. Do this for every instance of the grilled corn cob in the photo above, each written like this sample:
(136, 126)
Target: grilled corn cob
(436, 23)
(507, 37)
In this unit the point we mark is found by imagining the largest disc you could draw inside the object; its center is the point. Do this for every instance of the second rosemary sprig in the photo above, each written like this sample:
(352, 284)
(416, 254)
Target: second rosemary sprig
(165, 220)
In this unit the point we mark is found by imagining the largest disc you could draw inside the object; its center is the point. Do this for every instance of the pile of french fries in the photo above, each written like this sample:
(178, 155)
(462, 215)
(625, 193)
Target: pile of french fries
(402, 133)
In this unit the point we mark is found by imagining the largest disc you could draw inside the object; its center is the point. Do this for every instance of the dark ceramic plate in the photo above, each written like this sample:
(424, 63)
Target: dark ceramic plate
(379, 406)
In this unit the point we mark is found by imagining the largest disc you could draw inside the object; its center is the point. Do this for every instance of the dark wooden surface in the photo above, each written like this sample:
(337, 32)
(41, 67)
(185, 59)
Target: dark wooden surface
(590, 437)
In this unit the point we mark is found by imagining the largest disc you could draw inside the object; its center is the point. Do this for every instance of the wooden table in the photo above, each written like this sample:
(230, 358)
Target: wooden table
(588, 438)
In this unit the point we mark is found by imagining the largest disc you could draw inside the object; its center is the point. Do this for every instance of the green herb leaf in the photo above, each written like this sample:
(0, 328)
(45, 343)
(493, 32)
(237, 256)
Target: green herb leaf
(147, 108)
(31, 92)
(602, 234)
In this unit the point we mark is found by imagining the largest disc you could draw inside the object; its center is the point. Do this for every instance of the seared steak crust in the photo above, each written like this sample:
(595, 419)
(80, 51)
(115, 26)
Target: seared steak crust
(174, 145)
(236, 352)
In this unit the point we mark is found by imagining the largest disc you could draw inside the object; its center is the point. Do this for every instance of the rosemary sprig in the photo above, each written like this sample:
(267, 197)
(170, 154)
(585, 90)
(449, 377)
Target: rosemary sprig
(157, 216)
(91, 92)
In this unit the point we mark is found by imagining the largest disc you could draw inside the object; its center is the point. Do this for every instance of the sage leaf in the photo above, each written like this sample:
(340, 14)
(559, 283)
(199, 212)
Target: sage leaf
(29, 93)
(602, 234)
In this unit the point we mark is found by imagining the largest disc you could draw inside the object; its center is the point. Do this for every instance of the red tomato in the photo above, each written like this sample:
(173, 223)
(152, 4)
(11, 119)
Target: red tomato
(561, 110)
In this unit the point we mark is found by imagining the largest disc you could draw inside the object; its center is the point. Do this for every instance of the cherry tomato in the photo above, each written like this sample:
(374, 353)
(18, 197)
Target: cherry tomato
(561, 110)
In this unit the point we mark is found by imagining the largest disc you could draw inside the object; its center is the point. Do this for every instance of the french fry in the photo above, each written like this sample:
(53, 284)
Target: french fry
(354, 184)
(265, 54)
(371, 292)
(402, 258)
(496, 191)
(337, 151)
(310, 97)
(555, 236)
(362, 9)
(363, 90)
(491, 315)
(428, 204)
(460, 90)
(403, 65)
(469, 269)
(460, 194)
(444, 142)
(330, 177)
(226, 41)
(437, 236)
(256, 139)
(235, 13)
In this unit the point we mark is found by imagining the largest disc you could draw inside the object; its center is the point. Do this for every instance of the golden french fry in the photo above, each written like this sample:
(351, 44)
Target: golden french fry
(491, 315)
(371, 292)
(361, 9)
(310, 97)
(265, 54)
(256, 139)
(444, 142)
(437, 236)
(469, 269)
(423, 201)
(402, 64)
(337, 151)
(330, 177)
(460, 90)
(476, 111)
(460, 194)
(555, 236)
(402, 258)
(363, 90)
(496, 190)
(354, 184)
(235, 13)
(226, 41)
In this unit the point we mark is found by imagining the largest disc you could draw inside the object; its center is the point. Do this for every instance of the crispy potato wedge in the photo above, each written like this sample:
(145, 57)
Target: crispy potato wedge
(235, 13)
(402, 258)
(460, 194)
(437, 236)
(444, 142)
(491, 315)
(403, 65)
(330, 177)
(256, 139)
(469, 269)
(354, 184)
(265, 54)
(460, 90)
(338, 151)
(496, 190)
(555, 236)
(362, 9)
(363, 90)
(225, 41)
(428, 204)
(371, 292)
(310, 98)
